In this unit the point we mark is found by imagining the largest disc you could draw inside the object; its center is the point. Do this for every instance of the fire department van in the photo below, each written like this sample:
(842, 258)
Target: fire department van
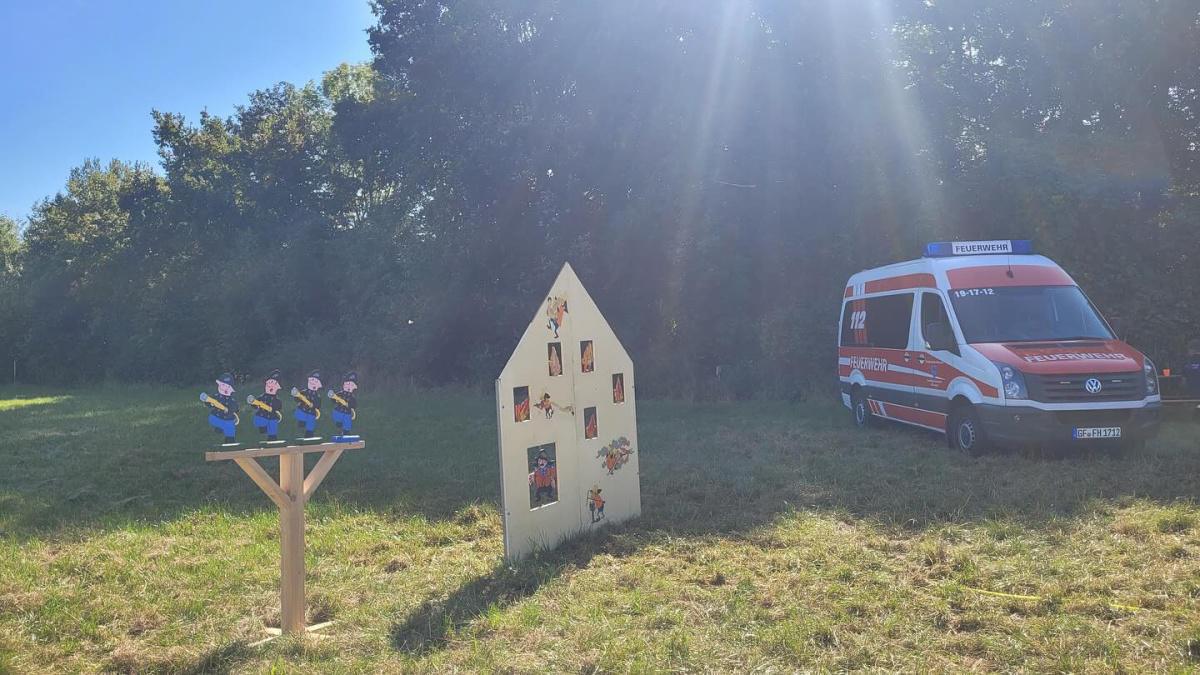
(991, 345)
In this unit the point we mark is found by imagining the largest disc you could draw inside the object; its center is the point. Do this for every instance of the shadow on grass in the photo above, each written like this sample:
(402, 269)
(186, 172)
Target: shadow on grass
(428, 628)
(218, 659)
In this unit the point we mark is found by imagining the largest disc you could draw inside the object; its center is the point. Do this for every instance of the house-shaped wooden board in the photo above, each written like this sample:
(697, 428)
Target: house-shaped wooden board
(566, 410)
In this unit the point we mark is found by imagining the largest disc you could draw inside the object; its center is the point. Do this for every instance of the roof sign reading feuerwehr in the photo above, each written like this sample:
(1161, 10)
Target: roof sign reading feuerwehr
(941, 249)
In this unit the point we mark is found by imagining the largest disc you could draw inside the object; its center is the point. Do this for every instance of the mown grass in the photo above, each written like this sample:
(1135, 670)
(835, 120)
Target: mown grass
(773, 537)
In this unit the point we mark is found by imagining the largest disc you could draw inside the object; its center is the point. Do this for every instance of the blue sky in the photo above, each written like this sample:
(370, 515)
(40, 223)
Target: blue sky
(79, 77)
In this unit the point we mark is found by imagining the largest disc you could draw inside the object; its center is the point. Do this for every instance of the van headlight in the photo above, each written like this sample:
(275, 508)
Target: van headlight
(1013, 381)
(1151, 376)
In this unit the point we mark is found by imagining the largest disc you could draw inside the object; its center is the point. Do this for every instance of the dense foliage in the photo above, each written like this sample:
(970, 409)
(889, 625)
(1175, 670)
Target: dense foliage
(714, 172)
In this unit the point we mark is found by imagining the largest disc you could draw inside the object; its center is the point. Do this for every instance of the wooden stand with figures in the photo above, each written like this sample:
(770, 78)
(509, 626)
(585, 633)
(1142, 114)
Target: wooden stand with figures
(290, 495)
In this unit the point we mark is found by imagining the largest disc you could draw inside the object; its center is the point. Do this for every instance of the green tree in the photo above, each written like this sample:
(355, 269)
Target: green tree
(715, 173)
(12, 306)
(71, 243)
(10, 246)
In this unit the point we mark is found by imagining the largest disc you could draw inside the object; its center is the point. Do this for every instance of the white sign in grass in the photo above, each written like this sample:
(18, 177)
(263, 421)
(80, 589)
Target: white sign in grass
(566, 410)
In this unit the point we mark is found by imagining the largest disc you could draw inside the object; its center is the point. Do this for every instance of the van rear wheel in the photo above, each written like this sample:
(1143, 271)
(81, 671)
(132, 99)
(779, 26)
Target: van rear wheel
(965, 432)
(860, 410)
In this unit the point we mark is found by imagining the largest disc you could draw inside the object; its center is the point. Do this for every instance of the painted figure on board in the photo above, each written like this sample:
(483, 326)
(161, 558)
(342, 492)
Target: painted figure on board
(223, 409)
(554, 356)
(615, 455)
(547, 406)
(268, 409)
(544, 479)
(556, 310)
(595, 504)
(618, 388)
(345, 405)
(308, 405)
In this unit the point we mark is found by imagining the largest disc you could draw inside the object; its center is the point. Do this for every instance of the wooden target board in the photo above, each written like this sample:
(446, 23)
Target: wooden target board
(566, 411)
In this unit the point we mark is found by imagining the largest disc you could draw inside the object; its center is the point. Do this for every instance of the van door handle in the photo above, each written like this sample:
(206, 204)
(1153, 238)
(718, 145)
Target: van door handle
(921, 359)
(907, 357)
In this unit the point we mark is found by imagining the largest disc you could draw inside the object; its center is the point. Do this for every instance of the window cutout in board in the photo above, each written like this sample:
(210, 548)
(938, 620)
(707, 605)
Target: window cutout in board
(587, 356)
(590, 427)
(554, 357)
(521, 404)
(618, 387)
(543, 476)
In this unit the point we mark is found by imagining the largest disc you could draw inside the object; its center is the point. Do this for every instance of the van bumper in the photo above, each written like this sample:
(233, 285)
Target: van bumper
(1022, 425)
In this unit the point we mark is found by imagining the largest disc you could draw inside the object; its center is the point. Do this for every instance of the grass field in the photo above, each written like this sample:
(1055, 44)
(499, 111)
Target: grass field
(773, 537)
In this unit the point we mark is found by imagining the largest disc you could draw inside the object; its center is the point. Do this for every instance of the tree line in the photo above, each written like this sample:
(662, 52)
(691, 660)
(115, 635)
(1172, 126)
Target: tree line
(713, 171)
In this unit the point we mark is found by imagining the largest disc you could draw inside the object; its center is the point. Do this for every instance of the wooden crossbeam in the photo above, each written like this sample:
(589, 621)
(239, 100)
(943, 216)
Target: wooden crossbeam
(290, 494)
(318, 473)
(263, 480)
(281, 450)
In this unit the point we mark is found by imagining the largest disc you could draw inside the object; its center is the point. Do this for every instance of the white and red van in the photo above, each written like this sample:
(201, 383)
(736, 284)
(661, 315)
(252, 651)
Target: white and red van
(990, 344)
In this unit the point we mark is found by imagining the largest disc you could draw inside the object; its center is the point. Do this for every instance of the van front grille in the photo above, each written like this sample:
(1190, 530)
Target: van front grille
(1073, 388)
(1093, 418)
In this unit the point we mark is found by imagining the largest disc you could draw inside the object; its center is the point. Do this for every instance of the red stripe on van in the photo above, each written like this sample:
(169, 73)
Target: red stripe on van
(946, 373)
(926, 418)
(903, 282)
(997, 275)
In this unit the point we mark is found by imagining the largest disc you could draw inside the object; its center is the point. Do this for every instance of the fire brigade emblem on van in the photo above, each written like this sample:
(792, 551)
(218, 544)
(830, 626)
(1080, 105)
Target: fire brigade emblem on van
(1092, 385)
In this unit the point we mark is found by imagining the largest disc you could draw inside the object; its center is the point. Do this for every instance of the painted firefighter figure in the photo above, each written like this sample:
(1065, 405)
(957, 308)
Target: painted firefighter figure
(345, 407)
(308, 406)
(547, 406)
(268, 409)
(544, 479)
(223, 409)
(556, 313)
(595, 504)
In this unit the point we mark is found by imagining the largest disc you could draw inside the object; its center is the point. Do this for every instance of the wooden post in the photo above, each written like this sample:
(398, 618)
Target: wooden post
(291, 544)
(290, 495)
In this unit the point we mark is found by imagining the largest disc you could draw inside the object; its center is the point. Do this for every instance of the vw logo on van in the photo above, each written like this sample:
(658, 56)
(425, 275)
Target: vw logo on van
(1092, 385)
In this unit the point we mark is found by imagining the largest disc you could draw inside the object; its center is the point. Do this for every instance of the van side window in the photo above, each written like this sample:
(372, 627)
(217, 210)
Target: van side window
(850, 315)
(933, 310)
(881, 321)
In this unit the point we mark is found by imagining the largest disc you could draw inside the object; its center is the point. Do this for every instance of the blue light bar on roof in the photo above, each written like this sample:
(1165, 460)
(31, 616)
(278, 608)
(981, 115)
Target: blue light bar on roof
(945, 249)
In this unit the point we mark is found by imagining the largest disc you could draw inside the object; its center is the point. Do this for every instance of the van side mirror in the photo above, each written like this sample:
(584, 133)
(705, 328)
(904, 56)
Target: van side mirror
(939, 337)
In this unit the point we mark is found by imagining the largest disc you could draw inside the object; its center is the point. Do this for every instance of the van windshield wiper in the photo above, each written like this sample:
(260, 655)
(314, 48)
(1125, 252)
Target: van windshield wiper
(1069, 338)
(1055, 339)
(1077, 337)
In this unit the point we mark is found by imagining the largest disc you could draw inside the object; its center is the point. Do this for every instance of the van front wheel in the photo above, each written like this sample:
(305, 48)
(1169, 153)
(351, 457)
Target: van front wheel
(966, 432)
(860, 411)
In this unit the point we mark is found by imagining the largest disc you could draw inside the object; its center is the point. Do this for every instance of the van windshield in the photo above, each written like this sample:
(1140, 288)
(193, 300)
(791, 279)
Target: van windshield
(1027, 314)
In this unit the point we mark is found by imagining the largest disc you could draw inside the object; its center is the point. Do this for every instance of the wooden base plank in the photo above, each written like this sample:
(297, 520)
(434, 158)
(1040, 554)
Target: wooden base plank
(311, 631)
